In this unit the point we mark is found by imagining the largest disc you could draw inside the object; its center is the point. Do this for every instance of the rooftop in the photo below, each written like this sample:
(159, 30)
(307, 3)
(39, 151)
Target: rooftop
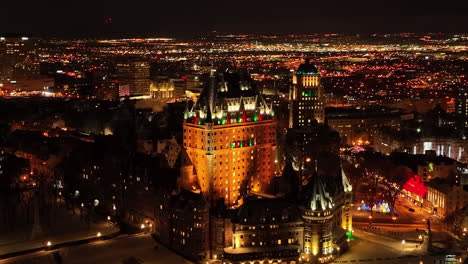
(307, 68)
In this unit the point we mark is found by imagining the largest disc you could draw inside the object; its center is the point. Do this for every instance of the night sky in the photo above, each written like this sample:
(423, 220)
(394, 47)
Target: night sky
(156, 17)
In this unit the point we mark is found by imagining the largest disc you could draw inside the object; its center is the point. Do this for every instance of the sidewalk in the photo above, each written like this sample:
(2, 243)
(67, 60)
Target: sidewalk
(64, 228)
(105, 229)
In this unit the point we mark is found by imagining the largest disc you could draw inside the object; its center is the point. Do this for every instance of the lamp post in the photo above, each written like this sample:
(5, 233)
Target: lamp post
(403, 242)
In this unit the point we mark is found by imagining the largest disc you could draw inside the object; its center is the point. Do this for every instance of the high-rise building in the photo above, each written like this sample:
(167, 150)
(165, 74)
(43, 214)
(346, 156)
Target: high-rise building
(18, 58)
(306, 97)
(229, 139)
(133, 75)
(461, 104)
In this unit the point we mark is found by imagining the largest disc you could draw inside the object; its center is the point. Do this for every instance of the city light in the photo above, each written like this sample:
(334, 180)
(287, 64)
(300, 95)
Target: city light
(224, 138)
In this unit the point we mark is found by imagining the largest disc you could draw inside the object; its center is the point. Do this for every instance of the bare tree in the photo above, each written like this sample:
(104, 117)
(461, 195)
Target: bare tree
(393, 184)
(371, 188)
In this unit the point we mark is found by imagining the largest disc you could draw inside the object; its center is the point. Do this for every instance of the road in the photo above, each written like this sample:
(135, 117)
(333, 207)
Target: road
(419, 216)
(373, 249)
(108, 251)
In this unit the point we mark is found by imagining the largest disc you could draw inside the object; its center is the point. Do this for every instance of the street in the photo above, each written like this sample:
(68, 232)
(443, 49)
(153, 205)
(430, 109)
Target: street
(403, 215)
(109, 251)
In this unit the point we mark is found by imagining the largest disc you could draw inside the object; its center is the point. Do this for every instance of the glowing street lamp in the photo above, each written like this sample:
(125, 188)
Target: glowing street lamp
(98, 234)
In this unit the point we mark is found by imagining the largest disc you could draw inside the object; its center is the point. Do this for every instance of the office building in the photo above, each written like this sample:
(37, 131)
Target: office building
(306, 97)
(133, 75)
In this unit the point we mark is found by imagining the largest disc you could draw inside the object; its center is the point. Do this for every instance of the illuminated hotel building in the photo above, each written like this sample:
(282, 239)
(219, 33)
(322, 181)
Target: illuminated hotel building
(229, 140)
(271, 230)
(306, 97)
(326, 212)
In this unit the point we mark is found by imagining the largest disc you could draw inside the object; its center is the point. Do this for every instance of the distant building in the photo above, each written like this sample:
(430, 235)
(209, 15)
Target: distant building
(306, 108)
(133, 75)
(449, 146)
(193, 84)
(415, 190)
(162, 89)
(30, 85)
(440, 167)
(361, 126)
(461, 104)
(306, 97)
(313, 140)
(18, 58)
(173, 89)
(105, 85)
(444, 198)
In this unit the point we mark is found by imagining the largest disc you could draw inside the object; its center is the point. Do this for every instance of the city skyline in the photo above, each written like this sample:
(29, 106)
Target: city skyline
(144, 18)
(237, 132)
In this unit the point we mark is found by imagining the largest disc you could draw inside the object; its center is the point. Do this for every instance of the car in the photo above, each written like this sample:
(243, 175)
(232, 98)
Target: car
(411, 209)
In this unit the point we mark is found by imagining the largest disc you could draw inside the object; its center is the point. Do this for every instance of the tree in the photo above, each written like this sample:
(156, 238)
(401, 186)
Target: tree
(371, 188)
(394, 181)
(391, 177)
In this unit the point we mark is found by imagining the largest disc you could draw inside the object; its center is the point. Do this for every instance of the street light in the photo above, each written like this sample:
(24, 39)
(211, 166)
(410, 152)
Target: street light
(49, 243)
(403, 244)
(98, 234)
